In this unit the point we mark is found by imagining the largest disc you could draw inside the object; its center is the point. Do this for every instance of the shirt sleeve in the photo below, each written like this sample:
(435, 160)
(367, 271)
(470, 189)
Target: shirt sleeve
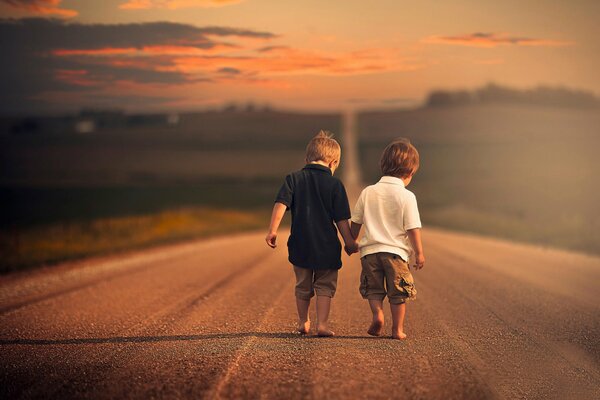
(411, 217)
(359, 209)
(286, 193)
(341, 208)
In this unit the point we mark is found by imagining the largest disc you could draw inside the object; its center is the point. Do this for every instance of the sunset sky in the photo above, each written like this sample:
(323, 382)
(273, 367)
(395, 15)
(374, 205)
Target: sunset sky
(314, 55)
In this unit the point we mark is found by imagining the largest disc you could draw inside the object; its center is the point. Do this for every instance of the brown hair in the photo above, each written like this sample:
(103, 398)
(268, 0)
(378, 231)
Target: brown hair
(323, 148)
(400, 159)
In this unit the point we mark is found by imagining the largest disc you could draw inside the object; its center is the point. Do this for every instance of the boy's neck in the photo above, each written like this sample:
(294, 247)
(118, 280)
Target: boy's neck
(406, 180)
(331, 167)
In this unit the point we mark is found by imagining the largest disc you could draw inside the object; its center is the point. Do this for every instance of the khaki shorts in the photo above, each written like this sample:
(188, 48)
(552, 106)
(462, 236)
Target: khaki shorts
(309, 281)
(386, 274)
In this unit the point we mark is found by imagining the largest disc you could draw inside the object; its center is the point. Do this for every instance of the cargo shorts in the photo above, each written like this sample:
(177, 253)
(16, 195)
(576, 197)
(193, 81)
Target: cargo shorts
(386, 274)
(309, 281)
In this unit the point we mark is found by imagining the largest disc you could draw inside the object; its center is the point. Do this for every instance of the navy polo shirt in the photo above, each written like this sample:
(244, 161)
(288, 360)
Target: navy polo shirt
(317, 199)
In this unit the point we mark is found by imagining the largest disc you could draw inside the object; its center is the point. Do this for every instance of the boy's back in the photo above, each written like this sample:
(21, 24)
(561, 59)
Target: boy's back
(316, 199)
(387, 210)
(392, 233)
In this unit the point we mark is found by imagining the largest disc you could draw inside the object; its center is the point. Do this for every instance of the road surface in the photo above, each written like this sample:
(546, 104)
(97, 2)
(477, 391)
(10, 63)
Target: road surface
(213, 319)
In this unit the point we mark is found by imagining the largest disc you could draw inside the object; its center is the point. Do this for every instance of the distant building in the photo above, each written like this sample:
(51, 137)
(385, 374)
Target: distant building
(173, 119)
(85, 126)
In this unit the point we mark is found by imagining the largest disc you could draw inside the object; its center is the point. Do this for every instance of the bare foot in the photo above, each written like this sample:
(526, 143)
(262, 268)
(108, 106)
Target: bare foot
(325, 332)
(303, 327)
(376, 328)
(399, 335)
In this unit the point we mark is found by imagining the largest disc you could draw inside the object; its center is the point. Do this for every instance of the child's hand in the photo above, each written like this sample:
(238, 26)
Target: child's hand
(271, 239)
(419, 260)
(351, 248)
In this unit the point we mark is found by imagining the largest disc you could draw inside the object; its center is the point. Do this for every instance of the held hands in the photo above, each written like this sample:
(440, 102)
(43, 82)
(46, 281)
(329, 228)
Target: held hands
(351, 247)
(271, 239)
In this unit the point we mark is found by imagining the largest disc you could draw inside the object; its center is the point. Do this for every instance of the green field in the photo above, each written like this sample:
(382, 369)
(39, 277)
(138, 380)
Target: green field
(23, 248)
(211, 145)
(40, 205)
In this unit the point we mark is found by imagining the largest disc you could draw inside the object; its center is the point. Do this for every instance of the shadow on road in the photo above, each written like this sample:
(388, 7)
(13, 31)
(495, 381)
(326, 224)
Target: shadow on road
(171, 338)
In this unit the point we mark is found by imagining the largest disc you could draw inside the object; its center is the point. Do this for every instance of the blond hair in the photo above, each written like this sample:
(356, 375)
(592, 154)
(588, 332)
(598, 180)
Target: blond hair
(400, 159)
(323, 148)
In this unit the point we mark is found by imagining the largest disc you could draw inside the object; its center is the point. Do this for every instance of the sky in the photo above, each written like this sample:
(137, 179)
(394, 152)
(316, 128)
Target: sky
(148, 55)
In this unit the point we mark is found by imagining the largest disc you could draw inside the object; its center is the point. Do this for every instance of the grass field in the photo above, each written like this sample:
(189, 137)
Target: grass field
(523, 173)
(65, 194)
(527, 174)
(210, 145)
(43, 205)
(31, 246)
(41, 225)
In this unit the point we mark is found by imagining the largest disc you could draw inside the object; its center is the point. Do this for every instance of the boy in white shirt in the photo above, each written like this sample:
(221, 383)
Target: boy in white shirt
(392, 234)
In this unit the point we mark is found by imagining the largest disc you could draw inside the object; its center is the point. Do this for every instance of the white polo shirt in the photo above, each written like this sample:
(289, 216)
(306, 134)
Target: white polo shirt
(387, 210)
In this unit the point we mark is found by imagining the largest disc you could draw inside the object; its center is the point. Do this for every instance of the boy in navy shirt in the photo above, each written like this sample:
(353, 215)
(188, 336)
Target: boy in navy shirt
(318, 202)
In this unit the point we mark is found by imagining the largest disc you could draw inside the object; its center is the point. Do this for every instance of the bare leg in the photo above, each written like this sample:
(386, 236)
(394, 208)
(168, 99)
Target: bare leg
(376, 328)
(323, 306)
(303, 321)
(398, 312)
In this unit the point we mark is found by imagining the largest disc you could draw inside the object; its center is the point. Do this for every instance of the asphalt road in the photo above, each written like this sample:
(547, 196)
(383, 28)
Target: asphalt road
(214, 319)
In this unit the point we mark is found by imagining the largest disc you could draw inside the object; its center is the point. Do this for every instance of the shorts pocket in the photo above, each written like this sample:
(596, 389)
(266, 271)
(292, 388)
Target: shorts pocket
(407, 285)
(364, 284)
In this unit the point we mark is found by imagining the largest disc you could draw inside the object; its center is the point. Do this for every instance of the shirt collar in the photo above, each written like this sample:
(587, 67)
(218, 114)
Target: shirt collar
(318, 167)
(392, 179)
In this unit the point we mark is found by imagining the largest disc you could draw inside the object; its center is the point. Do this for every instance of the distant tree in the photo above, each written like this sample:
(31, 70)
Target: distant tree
(442, 98)
(250, 107)
(230, 107)
(495, 94)
(438, 98)
(26, 125)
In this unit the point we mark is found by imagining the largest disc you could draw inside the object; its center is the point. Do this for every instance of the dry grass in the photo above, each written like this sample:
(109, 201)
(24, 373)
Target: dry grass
(523, 173)
(48, 244)
(571, 232)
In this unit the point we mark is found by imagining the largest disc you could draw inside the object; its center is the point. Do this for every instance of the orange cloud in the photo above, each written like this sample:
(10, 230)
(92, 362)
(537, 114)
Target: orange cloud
(153, 50)
(489, 40)
(169, 57)
(226, 62)
(107, 51)
(77, 77)
(490, 61)
(287, 61)
(271, 48)
(43, 7)
(74, 57)
(175, 4)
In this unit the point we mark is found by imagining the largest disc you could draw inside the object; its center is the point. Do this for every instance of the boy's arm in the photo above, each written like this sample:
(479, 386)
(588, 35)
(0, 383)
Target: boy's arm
(344, 228)
(415, 239)
(276, 217)
(350, 243)
(355, 229)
